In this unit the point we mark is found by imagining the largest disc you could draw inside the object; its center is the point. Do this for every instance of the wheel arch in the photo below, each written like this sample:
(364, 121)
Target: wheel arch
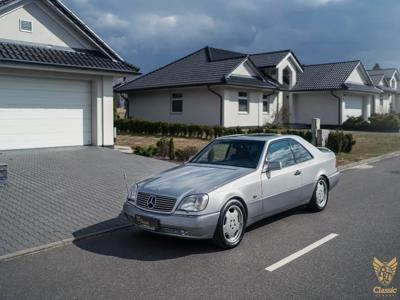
(241, 200)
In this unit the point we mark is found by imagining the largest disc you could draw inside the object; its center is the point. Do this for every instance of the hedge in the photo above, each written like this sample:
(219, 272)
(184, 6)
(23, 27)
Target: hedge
(377, 122)
(137, 126)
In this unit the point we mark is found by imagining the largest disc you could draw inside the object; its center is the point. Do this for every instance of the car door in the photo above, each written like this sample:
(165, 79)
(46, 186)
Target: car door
(308, 167)
(280, 187)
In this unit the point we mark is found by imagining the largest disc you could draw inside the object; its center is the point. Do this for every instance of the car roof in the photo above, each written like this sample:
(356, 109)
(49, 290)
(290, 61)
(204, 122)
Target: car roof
(254, 137)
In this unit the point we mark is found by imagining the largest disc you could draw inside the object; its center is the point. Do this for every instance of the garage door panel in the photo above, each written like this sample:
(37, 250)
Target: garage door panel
(44, 113)
(44, 84)
(39, 98)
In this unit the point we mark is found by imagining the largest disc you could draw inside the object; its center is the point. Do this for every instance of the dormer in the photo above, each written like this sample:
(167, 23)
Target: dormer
(283, 66)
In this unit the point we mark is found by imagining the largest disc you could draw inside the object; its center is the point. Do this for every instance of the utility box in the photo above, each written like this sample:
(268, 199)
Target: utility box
(3, 174)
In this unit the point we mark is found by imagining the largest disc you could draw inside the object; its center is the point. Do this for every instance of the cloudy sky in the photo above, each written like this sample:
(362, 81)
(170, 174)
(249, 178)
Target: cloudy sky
(151, 33)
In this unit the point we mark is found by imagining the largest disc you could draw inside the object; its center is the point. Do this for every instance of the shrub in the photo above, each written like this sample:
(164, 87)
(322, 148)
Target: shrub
(146, 151)
(255, 130)
(377, 122)
(339, 142)
(386, 122)
(163, 147)
(356, 123)
(137, 126)
(171, 149)
(218, 130)
(185, 153)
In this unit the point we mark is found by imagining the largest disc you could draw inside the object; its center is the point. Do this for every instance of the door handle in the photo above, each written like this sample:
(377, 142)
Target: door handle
(297, 173)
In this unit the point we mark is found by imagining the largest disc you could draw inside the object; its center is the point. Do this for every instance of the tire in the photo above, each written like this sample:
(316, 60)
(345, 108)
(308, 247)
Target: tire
(320, 196)
(231, 225)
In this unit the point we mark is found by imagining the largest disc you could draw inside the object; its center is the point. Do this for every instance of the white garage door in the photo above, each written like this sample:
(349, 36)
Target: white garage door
(38, 112)
(352, 107)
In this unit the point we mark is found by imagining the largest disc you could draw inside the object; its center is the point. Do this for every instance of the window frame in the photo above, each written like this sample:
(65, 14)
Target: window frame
(266, 99)
(291, 151)
(243, 98)
(312, 156)
(176, 98)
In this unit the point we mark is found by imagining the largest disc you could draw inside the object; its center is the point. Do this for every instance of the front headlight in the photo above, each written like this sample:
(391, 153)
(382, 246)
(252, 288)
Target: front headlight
(194, 203)
(133, 192)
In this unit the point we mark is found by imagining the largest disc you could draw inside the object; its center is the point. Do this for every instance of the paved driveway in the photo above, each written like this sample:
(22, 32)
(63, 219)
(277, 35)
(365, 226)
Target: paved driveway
(55, 194)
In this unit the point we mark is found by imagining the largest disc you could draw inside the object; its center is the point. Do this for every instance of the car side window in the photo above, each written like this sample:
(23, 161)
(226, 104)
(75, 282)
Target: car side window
(300, 153)
(280, 151)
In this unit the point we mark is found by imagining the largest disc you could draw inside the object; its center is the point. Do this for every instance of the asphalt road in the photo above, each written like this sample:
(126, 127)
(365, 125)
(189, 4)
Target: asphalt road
(364, 210)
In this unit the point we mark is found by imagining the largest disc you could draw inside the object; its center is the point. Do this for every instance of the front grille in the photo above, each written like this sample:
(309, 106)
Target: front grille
(162, 203)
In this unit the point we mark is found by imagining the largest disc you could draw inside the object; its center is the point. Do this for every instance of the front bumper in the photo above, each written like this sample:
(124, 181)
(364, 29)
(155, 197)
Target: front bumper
(187, 226)
(333, 179)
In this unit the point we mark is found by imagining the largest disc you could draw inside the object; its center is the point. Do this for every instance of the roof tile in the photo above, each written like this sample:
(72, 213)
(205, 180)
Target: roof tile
(94, 60)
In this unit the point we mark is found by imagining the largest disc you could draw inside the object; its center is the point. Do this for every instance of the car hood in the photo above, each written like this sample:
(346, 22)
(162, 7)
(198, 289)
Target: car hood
(191, 179)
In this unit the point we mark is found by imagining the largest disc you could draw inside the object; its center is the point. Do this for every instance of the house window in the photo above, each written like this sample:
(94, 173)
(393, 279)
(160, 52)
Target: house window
(25, 26)
(176, 103)
(266, 104)
(381, 99)
(243, 102)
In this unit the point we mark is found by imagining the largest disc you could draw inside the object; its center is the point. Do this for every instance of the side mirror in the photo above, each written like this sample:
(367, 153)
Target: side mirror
(272, 166)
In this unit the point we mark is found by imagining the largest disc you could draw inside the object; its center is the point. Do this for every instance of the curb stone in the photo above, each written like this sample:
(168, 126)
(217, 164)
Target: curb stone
(369, 160)
(61, 243)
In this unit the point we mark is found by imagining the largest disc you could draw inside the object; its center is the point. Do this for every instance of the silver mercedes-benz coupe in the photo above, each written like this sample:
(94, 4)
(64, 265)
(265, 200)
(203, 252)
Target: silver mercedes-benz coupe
(230, 184)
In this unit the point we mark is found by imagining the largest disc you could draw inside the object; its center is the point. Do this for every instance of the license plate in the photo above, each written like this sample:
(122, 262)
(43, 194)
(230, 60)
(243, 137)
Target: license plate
(147, 222)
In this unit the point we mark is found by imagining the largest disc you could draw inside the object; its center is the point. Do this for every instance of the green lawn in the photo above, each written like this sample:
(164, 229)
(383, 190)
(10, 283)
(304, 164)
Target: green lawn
(367, 144)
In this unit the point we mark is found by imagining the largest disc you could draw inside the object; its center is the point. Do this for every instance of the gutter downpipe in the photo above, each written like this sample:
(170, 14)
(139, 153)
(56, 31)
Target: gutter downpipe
(127, 105)
(221, 104)
(277, 104)
(339, 107)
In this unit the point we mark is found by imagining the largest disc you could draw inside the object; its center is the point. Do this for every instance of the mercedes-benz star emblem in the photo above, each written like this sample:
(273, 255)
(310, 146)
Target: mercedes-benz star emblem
(151, 202)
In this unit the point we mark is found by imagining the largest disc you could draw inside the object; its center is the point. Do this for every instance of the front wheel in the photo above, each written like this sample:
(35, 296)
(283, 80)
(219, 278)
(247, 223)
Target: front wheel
(231, 225)
(320, 197)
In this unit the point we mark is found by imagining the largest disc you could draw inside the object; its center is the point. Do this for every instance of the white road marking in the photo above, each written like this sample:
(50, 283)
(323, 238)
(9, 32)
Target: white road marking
(301, 252)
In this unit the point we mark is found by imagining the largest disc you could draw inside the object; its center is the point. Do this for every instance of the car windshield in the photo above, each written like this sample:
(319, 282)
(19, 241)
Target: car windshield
(237, 153)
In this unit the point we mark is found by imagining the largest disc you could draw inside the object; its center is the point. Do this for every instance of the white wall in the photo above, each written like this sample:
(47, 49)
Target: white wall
(48, 27)
(200, 106)
(352, 106)
(244, 70)
(255, 116)
(382, 108)
(356, 77)
(315, 105)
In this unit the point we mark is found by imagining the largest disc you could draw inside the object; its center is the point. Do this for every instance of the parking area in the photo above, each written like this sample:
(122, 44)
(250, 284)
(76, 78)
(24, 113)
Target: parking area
(60, 193)
(363, 214)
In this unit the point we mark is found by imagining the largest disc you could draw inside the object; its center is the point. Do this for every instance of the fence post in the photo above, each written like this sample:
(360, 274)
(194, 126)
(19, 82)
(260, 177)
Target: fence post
(315, 126)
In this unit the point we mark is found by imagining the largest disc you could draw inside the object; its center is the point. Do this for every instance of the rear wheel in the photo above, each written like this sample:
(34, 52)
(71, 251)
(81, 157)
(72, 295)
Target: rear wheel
(320, 197)
(231, 225)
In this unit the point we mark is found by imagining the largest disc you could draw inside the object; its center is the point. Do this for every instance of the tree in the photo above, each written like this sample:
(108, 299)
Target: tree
(376, 67)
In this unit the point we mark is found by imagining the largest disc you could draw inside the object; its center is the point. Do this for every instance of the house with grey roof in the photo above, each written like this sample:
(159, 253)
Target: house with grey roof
(220, 87)
(388, 80)
(56, 78)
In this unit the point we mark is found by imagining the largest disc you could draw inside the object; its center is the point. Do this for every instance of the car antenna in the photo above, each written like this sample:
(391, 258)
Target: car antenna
(126, 183)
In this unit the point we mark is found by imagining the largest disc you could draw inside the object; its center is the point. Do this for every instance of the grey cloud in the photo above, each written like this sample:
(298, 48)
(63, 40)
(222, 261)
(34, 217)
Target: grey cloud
(152, 33)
